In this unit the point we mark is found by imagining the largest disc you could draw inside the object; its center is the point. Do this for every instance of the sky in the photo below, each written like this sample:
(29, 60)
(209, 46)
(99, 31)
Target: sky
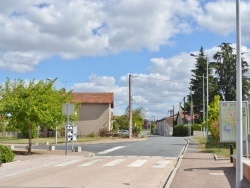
(93, 45)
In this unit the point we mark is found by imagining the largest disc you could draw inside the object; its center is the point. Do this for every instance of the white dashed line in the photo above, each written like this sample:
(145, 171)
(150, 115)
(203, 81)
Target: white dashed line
(69, 162)
(114, 162)
(161, 164)
(110, 150)
(137, 163)
(91, 162)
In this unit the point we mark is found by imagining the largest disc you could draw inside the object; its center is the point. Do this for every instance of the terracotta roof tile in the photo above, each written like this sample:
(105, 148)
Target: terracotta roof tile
(107, 98)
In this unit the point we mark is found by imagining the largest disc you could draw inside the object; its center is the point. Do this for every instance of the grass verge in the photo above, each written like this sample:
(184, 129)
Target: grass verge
(213, 146)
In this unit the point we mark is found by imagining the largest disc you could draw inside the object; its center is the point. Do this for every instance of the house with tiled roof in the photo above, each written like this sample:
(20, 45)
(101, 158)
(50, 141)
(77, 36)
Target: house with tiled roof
(95, 113)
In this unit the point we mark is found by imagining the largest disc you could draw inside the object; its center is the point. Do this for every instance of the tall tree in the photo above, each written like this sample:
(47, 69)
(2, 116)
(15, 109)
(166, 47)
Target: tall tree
(198, 84)
(225, 71)
(29, 105)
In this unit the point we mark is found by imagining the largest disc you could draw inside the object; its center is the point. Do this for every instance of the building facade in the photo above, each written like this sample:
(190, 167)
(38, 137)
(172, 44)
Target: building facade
(95, 112)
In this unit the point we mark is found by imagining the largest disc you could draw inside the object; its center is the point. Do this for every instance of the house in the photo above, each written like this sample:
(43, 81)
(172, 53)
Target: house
(165, 126)
(184, 118)
(95, 113)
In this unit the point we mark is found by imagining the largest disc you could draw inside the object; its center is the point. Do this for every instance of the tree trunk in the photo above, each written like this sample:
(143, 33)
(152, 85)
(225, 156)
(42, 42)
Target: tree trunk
(30, 140)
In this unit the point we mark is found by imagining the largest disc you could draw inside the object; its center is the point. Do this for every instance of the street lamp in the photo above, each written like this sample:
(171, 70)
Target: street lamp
(194, 55)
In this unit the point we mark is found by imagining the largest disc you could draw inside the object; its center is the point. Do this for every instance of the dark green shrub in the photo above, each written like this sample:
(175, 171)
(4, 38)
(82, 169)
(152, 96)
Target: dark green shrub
(196, 127)
(136, 130)
(180, 130)
(153, 128)
(6, 154)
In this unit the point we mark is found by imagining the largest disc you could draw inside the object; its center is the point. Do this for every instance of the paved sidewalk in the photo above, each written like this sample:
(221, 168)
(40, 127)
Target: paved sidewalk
(201, 170)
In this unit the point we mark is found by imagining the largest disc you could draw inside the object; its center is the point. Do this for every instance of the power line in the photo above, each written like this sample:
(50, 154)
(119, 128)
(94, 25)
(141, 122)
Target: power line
(150, 78)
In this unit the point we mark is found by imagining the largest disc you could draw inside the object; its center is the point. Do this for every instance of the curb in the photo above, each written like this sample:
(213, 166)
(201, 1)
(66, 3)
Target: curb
(173, 172)
(219, 158)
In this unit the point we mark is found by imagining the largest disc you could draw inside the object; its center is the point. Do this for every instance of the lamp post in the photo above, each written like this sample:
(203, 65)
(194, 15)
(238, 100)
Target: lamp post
(203, 104)
(239, 135)
(194, 55)
(207, 100)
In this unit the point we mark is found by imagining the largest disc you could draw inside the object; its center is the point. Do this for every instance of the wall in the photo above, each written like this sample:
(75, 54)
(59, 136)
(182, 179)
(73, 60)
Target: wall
(162, 127)
(92, 118)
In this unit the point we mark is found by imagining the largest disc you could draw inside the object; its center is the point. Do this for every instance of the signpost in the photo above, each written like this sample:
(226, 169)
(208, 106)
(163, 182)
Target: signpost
(67, 109)
(228, 121)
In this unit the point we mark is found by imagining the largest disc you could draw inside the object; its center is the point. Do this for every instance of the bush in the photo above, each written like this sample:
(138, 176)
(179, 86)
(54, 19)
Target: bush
(136, 130)
(196, 127)
(103, 131)
(92, 135)
(180, 130)
(215, 130)
(6, 154)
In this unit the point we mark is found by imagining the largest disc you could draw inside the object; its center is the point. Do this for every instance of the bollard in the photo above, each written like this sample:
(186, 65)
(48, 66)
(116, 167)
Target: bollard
(78, 149)
(52, 148)
(231, 153)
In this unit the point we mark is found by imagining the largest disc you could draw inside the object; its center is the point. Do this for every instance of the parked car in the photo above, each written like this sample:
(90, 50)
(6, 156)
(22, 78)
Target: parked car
(122, 132)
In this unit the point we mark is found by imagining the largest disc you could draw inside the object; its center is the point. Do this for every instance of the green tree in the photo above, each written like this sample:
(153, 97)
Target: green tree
(121, 122)
(137, 119)
(198, 84)
(33, 104)
(225, 71)
(213, 119)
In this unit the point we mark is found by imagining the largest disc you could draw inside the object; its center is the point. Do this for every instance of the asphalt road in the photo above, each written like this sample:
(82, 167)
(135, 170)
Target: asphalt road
(153, 146)
(146, 164)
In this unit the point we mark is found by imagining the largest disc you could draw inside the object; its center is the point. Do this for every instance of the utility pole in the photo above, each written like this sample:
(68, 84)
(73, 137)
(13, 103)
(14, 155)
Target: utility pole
(130, 107)
(239, 135)
(173, 115)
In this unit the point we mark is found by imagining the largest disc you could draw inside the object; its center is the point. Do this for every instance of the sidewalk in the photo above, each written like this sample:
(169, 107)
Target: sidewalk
(200, 170)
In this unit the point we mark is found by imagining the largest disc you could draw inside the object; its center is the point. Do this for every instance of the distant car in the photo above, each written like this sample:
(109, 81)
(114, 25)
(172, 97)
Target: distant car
(122, 132)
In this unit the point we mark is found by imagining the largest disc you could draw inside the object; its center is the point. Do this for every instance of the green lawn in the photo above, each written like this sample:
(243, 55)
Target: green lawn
(212, 146)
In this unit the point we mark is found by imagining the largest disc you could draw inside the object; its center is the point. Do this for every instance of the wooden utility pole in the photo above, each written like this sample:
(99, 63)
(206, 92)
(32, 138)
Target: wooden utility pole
(173, 115)
(130, 107)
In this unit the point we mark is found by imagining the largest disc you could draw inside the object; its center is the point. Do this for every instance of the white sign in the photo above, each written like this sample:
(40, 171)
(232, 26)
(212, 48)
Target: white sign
(228, 120)
(68, 109)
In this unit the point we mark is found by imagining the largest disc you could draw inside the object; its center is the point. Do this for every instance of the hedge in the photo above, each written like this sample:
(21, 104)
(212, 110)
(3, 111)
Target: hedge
(181, 130)
(6, 154)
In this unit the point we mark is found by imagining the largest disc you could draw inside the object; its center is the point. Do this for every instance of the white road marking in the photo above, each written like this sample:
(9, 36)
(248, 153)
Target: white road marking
(69, 162)
(161, 164)
(137, 163)
(110, 150)
(114, 162)
(91, 162)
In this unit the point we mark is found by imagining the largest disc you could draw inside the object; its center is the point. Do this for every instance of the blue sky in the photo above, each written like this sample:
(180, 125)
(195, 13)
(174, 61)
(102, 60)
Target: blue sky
(92, 46)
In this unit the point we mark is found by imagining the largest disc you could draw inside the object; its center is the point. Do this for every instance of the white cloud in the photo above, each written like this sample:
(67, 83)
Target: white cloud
(81, 27)
(19, 61)
(220, 17)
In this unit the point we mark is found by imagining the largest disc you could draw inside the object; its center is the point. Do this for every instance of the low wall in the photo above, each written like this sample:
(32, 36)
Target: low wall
(246, 167)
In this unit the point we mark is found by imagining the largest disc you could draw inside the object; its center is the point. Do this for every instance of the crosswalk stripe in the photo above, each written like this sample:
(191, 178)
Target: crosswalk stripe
(114, 162)
(161, 164)
(69, 162)
(91, 162)
(110, 150)
(137, 163)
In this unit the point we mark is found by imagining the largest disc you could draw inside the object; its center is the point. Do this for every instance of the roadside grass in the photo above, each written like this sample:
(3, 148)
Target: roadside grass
(51, 140)
(213, 146)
